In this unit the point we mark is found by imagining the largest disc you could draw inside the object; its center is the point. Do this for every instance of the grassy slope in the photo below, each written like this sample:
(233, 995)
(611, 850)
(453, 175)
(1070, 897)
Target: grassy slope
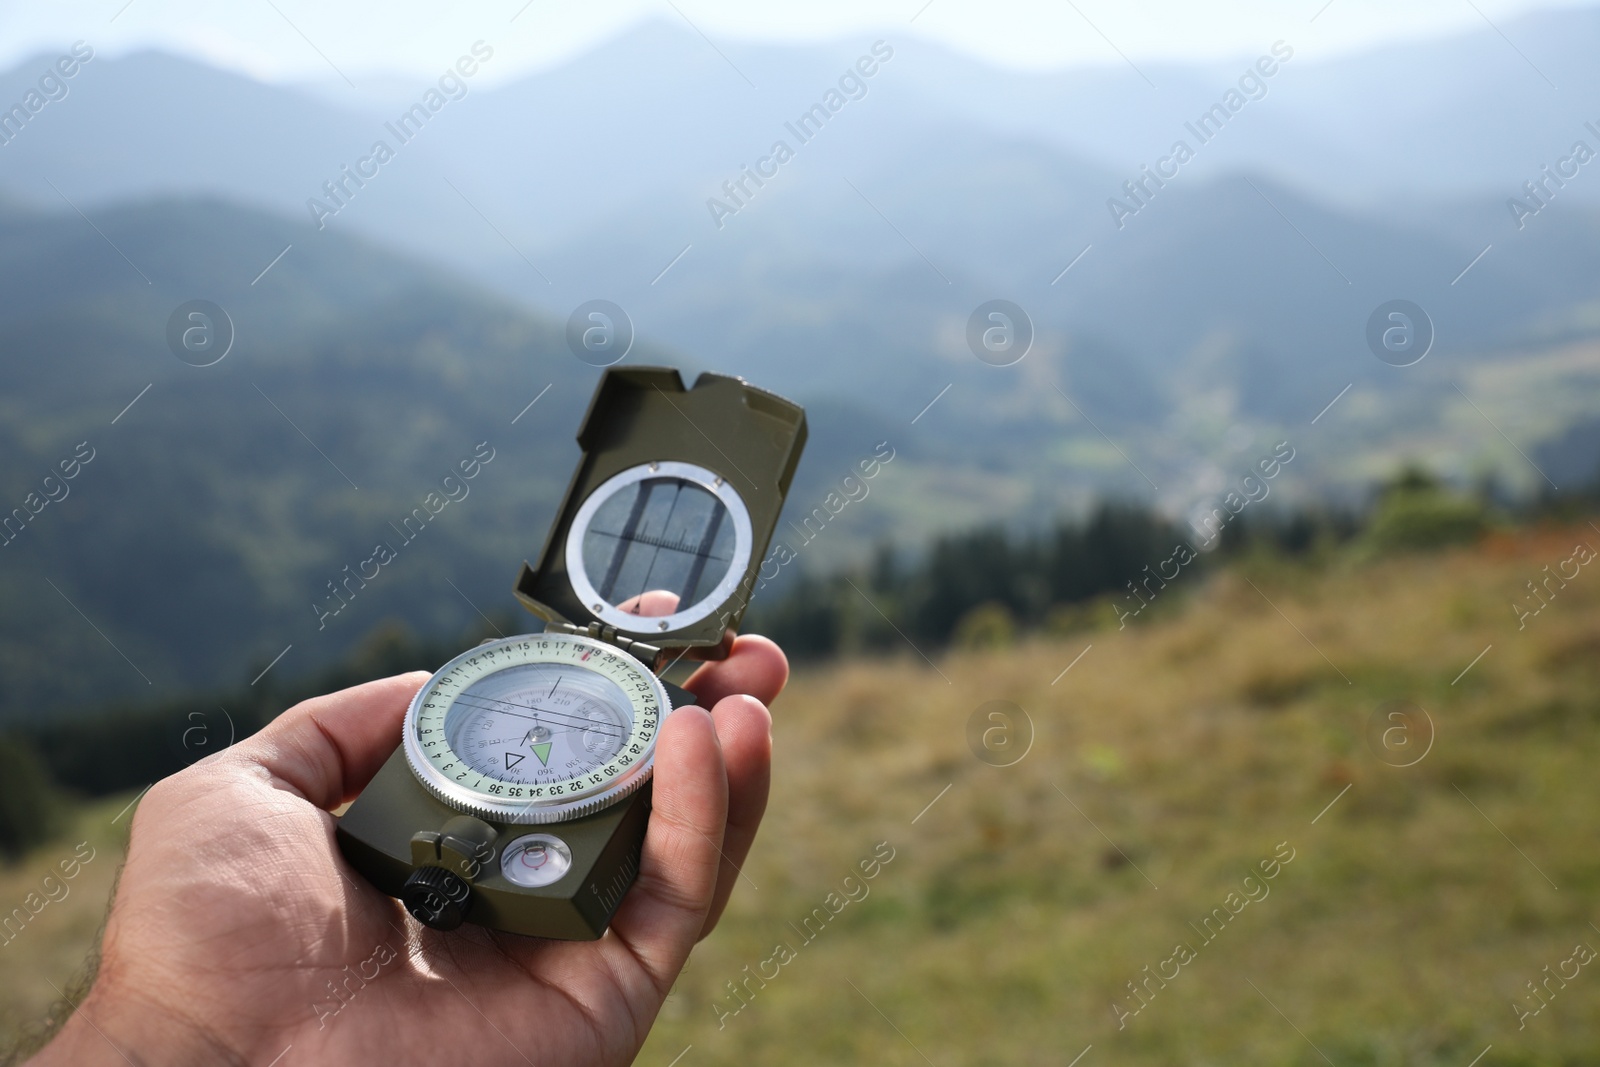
(1007, 923)
(1196, 741)
(53, 947)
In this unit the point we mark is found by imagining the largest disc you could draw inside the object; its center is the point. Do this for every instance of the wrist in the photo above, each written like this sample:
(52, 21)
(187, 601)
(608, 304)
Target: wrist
(116, 1031)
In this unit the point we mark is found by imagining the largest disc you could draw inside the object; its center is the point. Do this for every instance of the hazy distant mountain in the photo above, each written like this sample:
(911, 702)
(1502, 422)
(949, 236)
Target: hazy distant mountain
(589, 178)
(655, 109)
(1466, 114)
(1226, 308)
(207, 523)
(211, 507)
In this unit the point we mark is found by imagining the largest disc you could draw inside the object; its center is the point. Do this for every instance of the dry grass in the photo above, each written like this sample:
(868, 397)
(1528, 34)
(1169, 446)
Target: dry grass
(1190, 745)
(1008, 923)
(46, 956)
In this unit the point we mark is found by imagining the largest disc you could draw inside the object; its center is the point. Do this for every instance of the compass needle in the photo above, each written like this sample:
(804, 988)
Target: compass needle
(593, 752)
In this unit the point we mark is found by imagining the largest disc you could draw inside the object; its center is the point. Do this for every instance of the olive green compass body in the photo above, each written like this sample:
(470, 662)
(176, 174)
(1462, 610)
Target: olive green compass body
(518, 795)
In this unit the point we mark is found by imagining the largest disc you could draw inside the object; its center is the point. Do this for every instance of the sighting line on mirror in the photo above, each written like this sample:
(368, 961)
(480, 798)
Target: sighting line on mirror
(661, 542)
(698, 555)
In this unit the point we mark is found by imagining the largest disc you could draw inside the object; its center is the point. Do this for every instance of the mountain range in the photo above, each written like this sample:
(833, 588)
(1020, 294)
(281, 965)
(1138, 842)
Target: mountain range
(380, 344)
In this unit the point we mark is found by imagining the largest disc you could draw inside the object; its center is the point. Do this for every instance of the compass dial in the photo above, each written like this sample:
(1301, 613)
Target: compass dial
(536, 729)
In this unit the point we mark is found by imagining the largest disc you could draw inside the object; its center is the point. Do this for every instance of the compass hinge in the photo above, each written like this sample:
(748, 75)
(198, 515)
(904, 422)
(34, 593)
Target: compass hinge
(646, 653)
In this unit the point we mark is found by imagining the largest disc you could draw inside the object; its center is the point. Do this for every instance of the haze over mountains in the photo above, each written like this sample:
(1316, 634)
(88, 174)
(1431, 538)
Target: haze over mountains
(1222, 316)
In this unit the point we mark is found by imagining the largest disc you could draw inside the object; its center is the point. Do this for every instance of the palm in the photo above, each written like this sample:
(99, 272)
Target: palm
(238, 908)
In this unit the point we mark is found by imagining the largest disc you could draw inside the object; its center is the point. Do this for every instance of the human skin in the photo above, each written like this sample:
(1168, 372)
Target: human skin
(235, 909)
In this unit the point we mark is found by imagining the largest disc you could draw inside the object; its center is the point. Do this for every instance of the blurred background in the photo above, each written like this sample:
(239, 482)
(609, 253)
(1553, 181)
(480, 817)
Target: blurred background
(1231, 379)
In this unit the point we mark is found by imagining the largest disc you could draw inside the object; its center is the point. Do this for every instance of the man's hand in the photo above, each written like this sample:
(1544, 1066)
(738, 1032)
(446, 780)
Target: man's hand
(237, 925)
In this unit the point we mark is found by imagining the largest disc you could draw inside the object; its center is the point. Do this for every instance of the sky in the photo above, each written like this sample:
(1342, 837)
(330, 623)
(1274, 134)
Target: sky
(368, 40)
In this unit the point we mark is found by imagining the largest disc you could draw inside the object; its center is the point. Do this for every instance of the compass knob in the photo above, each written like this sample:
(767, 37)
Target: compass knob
(436, 897)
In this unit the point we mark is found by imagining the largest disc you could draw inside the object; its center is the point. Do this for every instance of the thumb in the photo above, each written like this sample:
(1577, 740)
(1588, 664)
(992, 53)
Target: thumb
(328, 748)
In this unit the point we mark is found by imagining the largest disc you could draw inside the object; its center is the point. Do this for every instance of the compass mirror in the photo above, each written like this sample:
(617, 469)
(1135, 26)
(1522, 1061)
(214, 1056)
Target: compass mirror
(659, 547)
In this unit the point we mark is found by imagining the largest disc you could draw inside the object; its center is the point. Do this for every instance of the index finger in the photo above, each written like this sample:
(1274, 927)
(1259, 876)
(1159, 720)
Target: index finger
(755, 667)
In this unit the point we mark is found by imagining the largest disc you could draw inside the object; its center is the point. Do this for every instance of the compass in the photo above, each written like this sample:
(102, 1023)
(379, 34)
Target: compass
(535, 729)
(519, 792)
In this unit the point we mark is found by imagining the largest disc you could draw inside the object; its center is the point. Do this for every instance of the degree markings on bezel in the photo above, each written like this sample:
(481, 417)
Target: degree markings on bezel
(576, 788)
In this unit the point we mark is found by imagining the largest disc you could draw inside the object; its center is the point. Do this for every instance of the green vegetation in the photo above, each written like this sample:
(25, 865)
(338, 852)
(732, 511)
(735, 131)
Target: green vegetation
(981, 587)
(1007, 926)
(30, 805)
(50, 922)
(1183, 749)
(1416, 512)
(202, 538)
(224, 511)
(118, 748)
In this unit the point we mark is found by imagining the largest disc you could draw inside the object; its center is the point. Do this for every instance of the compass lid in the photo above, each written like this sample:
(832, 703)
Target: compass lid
(666, 522)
